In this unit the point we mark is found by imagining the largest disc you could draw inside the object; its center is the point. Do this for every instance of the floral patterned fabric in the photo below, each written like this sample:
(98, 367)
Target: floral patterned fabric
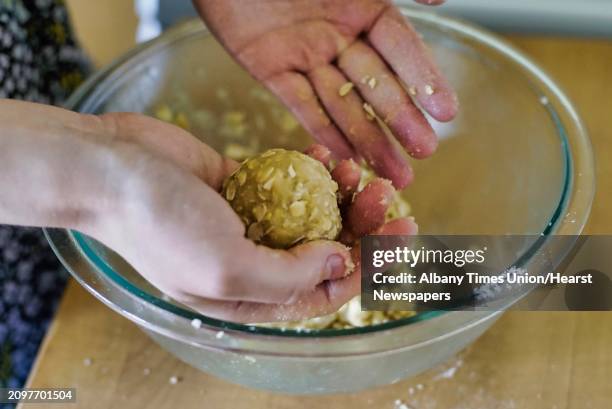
(39, 62)
(39, 59)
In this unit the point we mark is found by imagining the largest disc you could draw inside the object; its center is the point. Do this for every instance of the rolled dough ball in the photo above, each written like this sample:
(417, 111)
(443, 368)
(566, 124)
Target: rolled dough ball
(284, 198)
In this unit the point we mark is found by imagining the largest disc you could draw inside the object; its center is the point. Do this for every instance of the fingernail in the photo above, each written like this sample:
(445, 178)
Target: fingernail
(335, 267)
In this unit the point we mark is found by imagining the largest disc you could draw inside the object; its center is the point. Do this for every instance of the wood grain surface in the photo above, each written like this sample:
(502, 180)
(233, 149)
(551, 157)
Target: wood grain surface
(526, 361)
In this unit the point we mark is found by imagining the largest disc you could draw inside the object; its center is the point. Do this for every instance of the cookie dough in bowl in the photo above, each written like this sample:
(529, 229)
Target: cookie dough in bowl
(349, 315)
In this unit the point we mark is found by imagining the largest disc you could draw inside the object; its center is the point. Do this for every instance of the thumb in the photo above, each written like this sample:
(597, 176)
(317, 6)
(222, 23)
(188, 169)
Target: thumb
(283, 276)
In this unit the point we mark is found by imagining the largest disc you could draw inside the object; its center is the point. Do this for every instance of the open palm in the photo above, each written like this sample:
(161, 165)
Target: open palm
(341, 66)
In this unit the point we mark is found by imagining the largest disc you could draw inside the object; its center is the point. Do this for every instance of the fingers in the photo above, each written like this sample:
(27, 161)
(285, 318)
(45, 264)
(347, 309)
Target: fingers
(404, 226)
(326, 298)
(331, 295)
(262, 274)
(367, 212)
(347, 109)
(403, 49)
(288, 275)
(398, 227)
(320, 153)
(380, 88)
(295, 91)
(348, 175)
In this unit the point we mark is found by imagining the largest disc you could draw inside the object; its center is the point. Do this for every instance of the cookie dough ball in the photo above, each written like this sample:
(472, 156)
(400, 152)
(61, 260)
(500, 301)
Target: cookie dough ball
(284, 198)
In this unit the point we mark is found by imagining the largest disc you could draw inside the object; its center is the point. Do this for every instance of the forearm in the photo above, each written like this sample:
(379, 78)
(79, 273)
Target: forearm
(54, 170)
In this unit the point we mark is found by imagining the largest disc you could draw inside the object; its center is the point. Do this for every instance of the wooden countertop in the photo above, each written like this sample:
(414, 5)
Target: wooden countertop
(527, 360)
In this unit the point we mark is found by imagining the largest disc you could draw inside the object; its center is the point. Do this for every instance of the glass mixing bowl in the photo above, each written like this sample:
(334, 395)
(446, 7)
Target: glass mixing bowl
(516, 160)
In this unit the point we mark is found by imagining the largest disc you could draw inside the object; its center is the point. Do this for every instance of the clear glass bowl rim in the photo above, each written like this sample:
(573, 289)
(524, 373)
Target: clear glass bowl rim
(576, 198)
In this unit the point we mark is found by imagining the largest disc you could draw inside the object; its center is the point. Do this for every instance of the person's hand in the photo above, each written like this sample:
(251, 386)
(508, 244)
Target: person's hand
(196, 250)
(150, 191)
(307, 51)
(174, 228)
(363, 212)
